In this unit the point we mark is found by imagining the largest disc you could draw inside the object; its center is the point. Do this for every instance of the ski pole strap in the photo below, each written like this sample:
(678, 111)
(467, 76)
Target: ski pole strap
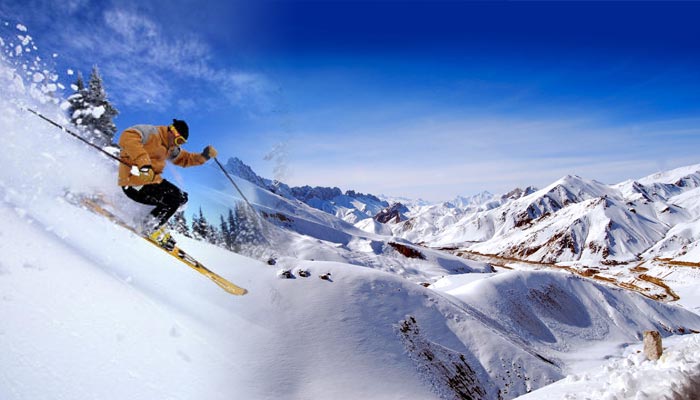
(75, 135)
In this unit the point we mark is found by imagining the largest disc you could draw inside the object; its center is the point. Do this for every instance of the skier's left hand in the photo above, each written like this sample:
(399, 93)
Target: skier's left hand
(209, 152)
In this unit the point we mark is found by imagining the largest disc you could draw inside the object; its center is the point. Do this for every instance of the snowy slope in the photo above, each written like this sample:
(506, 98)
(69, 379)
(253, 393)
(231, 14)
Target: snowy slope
(676, 375)
(472, 201)
(138, 324)
(92, 323)
(560, 315)
(299, 338)
(682, 241)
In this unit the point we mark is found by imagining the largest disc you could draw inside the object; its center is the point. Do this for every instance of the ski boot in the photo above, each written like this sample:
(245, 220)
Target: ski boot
(162, 238)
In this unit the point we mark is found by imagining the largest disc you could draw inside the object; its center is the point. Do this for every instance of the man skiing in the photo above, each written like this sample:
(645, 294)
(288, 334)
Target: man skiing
(146, 148)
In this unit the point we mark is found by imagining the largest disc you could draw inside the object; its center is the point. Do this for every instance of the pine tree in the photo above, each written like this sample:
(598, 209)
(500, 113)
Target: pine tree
(213, 235)
(200, 226)
(245, 229)
(225, 233)
(232, 229)
(100, 120)
(240, 233)
(179, 224)
(77, 100)
(91, 110)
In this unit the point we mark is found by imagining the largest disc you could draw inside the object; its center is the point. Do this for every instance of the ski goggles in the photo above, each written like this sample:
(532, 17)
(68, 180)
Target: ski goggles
(179, 139)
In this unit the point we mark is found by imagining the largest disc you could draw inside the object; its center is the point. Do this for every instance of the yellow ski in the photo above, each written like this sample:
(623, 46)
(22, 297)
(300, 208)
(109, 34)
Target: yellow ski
(176, 252)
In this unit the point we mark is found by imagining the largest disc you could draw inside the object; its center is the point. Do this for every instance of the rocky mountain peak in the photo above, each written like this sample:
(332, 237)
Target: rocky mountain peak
(394, 214)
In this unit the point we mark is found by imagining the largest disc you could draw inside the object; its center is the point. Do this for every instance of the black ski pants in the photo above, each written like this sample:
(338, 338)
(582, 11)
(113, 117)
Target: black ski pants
(164, 195)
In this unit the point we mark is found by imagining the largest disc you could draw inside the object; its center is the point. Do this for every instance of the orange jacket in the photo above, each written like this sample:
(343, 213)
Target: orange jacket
(150, 145)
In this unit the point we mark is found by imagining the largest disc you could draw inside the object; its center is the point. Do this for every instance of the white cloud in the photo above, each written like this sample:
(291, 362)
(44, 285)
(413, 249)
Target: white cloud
(72, 6)
(145, 61)
(438, 159)
(131, 27)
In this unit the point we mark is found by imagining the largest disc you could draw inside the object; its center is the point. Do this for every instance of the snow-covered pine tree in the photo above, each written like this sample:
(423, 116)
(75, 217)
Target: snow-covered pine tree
(246, 231)
(91, 110)
(99, 120)
(77, 100)
(200, 226)
(203, 230)
(178, 223)
(213, 235)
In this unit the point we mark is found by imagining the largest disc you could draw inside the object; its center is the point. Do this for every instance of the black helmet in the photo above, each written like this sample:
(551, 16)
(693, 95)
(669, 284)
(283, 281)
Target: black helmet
(182, 128)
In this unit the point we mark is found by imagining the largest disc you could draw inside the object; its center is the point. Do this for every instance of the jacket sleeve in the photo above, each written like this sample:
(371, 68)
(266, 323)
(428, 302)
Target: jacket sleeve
(132, 149)
(187, 159)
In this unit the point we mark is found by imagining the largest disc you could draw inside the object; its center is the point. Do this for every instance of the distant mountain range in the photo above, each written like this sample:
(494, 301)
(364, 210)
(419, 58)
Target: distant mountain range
(572, 220)
(349, 206)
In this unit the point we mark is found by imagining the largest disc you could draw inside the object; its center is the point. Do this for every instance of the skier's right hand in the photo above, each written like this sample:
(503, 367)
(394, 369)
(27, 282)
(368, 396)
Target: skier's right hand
(147, 174)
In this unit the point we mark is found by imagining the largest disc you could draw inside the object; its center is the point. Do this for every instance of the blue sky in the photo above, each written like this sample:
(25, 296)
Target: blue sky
(415, 99)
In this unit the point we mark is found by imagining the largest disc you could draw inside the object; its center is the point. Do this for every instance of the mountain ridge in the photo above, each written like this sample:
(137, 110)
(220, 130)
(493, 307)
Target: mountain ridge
(571, 219)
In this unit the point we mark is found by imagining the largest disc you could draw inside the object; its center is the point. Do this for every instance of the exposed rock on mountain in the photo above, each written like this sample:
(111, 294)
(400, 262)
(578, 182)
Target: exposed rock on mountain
(395, 213)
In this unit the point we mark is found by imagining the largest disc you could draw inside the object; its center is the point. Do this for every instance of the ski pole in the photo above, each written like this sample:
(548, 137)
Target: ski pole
(234, 183)
(75, 135)
(260, 219)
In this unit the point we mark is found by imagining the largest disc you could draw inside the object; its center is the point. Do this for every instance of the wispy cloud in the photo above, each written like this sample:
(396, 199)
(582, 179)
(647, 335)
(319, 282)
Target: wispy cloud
(441, 158)
(145, 61)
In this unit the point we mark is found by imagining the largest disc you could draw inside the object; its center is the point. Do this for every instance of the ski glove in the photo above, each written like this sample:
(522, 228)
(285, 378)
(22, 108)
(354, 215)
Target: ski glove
(209, 152)
(147, 174)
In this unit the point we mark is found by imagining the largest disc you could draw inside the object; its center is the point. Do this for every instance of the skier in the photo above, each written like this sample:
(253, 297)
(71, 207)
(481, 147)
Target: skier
(146, 148)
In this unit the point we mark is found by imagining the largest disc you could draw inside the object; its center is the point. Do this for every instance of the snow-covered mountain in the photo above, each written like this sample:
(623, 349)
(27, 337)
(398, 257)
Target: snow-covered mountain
(429, 224)
(350, 206)
(91, 310)
(573, 219)
(470, 201)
